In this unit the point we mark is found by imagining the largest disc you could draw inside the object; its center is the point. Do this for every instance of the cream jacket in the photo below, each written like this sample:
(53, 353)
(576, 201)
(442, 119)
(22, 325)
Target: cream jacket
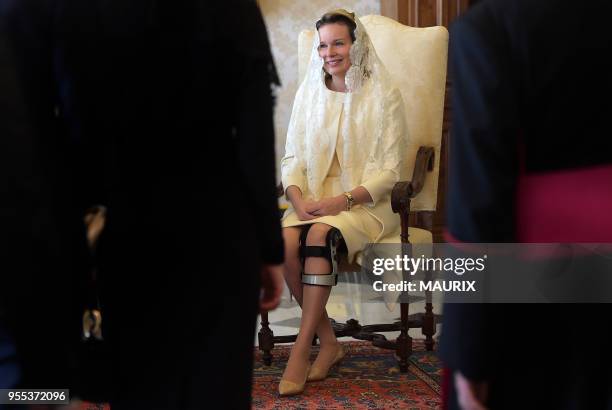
(370, 150)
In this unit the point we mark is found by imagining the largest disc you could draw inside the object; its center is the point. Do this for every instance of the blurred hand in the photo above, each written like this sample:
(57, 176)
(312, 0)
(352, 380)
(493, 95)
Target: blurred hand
(327, 206)
(272, 284)
(470, 395)
(301, 210)
(94, 219)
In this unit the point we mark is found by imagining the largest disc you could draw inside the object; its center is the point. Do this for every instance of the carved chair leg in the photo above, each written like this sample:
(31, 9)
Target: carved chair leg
(403, 341)
(266, 339)
(429, 321)
(429, 326)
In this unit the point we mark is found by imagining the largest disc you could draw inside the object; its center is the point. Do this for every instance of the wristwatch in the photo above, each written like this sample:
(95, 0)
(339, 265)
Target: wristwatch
(349, 200)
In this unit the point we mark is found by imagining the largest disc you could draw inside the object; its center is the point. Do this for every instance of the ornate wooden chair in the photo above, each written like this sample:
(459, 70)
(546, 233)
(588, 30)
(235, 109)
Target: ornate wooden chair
(416, 58)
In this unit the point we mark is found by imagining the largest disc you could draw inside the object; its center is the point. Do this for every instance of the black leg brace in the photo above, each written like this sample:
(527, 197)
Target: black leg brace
(329, 252)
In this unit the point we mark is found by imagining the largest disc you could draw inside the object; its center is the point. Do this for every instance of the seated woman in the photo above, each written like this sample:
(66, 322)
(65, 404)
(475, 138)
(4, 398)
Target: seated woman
(344, 151)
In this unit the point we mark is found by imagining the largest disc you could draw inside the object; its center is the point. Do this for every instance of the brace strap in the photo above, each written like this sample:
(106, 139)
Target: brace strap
(316, 251)
(330, 279)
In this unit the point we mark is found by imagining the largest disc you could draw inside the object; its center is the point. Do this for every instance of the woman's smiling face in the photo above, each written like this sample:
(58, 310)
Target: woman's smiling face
(334, 47)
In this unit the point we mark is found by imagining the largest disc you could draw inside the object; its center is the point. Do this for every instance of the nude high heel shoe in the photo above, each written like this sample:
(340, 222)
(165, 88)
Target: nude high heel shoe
(289, 388)
(320, 373)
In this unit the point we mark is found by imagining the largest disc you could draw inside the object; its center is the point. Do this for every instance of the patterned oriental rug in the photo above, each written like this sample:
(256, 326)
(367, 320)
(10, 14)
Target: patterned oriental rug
(367, 378)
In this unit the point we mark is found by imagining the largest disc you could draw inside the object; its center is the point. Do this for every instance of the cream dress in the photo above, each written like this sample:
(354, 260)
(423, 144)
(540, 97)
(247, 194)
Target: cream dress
(360, 225)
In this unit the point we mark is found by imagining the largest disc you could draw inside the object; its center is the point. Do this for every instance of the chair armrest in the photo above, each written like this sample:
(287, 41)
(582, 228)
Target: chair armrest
(424, 163)
(403, 191)
(400, 196)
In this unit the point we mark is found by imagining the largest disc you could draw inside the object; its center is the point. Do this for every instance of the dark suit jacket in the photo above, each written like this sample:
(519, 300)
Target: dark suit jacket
(527, 84)
(167, 107)
(43, 252)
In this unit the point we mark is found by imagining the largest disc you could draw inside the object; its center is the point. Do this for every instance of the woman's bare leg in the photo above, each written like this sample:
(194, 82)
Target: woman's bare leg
(293, 267)
(314, 299)
(293, 277)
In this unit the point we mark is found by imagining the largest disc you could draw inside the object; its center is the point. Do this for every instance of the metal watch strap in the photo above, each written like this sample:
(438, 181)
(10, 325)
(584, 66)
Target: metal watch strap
(349, 200)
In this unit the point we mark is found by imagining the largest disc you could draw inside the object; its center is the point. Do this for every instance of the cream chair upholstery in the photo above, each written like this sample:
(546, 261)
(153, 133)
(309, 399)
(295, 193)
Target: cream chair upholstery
(416, 58)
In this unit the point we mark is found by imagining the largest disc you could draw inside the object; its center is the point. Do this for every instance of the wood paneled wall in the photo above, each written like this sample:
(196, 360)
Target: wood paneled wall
(426, 13)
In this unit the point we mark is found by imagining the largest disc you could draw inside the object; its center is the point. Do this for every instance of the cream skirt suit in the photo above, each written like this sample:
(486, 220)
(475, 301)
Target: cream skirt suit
(365, 223)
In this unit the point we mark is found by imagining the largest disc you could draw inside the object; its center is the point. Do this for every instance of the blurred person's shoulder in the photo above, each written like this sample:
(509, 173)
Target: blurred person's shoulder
(509, 15)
